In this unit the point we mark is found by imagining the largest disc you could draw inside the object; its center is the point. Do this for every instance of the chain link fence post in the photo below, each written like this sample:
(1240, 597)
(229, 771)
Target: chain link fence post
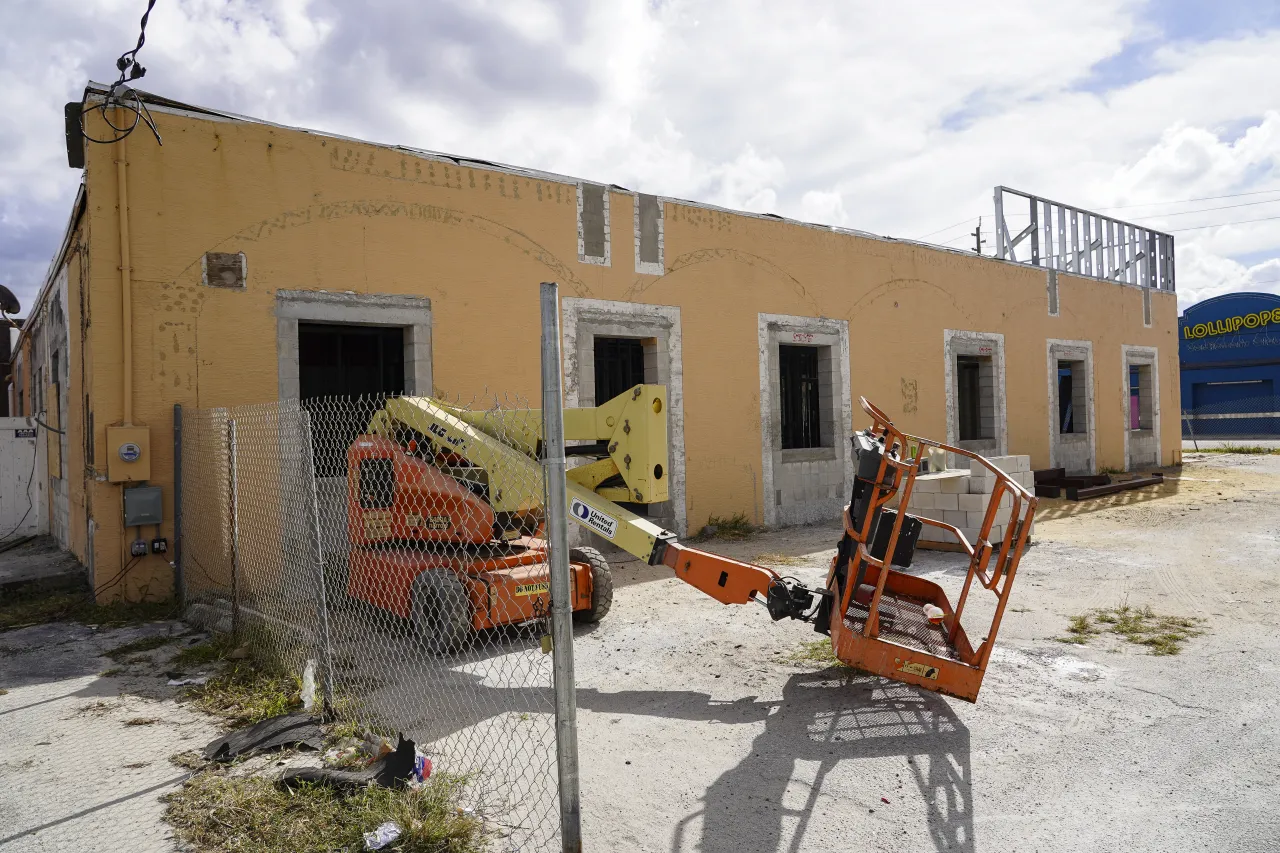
(234, 525)
(322, 598)
(558, 540)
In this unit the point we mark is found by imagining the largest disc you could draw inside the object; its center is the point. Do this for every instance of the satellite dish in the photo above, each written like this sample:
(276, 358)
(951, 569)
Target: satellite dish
(8, 302)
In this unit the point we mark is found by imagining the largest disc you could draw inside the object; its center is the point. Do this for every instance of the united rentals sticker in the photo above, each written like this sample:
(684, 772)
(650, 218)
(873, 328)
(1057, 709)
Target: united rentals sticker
(920, 669)
(533, 588)
(605, 525)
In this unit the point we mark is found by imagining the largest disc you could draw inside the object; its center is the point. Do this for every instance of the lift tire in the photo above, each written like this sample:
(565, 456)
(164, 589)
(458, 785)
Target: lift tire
(441, 611)
(601, 584)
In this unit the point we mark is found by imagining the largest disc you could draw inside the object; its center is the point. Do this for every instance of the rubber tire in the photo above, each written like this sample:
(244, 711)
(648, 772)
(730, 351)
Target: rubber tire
(601, 584)
(441, 611)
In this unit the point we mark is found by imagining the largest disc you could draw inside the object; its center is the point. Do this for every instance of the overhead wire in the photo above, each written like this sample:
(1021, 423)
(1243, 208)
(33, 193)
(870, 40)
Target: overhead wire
(124, 97)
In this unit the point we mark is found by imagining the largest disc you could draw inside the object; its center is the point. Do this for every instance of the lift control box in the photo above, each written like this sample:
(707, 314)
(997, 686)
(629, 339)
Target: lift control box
(128, 454)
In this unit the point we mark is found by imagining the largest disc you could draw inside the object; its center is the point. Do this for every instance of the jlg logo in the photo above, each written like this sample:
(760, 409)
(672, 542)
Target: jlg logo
(442, 433)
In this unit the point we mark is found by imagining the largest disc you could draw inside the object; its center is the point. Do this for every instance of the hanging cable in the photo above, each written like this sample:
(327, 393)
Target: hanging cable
(121, 96)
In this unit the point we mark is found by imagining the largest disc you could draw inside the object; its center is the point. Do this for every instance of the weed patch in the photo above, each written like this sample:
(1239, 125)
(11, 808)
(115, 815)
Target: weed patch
(817, 651)
(780, 559)
(243, 694)
(146, 644)
(212, 650)
(1248, 449)
(142, 721)
(36, 604)
(1163, 635)
(736, 526)
(213, 813)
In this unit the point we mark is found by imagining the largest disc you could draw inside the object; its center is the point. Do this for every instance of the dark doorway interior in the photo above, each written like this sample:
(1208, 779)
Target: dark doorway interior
(798, 381)
(619, 364)
(345, 362)
(969, 398)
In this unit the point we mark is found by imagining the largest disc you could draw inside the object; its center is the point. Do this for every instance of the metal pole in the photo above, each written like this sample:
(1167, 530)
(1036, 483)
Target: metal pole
(235, 529)
(558, 539)
(322, 599)
(179, 579)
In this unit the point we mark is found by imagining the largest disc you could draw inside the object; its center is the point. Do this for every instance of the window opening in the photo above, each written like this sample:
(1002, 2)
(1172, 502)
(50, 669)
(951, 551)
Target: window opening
(800, 397)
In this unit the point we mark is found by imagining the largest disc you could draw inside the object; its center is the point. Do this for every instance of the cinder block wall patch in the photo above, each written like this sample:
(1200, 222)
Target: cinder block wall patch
(224, 269)
(593, 224)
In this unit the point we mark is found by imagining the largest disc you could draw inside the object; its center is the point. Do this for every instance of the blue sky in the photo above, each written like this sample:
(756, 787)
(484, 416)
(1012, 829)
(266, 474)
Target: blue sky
(887, 118)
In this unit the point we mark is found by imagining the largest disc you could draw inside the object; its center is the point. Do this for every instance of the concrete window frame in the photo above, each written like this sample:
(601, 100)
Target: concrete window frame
(958, 342)
(658, 326)
(836, 408)
(1080, 351)
(411, 313)
(649, 267)
(583, 257)
(1140, 356)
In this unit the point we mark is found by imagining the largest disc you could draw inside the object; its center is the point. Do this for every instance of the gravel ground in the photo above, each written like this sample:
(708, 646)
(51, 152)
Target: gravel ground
(699, 731)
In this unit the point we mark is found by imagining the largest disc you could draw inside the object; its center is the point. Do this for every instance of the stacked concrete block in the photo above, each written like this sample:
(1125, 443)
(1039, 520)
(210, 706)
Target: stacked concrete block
(960, 496)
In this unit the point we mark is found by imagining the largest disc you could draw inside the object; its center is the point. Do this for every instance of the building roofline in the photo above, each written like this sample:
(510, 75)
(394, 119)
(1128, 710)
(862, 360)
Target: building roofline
(77, 212)
(1236, 294)
(162, 104)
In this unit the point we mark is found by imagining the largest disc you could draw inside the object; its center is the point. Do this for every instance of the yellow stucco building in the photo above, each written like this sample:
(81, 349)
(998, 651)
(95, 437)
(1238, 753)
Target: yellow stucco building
(244, 238)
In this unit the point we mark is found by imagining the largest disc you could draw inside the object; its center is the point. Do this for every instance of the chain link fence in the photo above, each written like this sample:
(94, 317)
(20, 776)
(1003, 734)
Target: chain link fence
(1244, 421)
(348, 541)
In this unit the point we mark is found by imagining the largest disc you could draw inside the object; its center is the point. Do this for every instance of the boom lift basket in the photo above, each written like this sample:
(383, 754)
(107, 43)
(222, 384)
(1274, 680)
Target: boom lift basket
(883, 625)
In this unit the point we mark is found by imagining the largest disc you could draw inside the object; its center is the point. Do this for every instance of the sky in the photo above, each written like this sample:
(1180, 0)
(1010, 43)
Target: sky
(892, 118)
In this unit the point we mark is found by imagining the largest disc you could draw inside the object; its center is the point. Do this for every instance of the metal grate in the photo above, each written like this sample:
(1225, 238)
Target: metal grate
(902, 621)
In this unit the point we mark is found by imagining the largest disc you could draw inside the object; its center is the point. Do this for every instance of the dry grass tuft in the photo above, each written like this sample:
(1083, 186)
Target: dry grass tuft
(36, 604)
(734, 527)
(145, 644)
(780, 560)
(244, 694)
(816, 651)
(1163, 635)
(213, 813)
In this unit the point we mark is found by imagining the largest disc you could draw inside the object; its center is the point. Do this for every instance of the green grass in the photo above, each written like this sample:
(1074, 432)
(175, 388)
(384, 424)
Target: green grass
(37, 604)
(817, 651)
(780, 560)
(213, 813)
(145, 644)
(1163, 635)
(1250, 449)
(210, 651)
(736, 526)
(244, 694)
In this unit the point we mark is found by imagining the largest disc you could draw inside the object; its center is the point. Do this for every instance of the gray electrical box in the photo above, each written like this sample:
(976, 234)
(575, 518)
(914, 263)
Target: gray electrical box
(143, 505)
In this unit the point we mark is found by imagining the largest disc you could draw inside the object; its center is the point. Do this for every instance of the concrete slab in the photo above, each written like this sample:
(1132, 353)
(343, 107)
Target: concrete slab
(39, 559)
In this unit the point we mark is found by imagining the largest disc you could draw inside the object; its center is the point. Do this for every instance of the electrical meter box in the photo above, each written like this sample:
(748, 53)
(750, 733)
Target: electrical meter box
(143, 505)
(128, 454)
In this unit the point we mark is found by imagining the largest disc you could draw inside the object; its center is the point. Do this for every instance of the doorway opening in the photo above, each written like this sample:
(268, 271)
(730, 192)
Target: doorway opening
(362, 363)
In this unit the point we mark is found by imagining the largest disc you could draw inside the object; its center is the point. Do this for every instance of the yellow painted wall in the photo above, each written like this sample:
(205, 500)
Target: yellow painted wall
(317, 213)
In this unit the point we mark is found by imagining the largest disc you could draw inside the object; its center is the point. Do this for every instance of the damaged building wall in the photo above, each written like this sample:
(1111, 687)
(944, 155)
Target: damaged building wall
(310, 212)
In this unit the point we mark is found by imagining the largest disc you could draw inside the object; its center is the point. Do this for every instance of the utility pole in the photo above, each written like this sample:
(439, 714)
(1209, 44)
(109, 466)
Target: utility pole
(977, 237)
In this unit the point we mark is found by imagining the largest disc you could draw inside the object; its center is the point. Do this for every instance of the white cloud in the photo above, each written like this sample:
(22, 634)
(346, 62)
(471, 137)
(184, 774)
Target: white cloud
(847, 114)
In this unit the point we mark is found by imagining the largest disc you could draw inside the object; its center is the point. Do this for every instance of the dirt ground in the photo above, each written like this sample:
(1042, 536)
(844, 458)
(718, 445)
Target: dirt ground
(698, 733)
(699, 730)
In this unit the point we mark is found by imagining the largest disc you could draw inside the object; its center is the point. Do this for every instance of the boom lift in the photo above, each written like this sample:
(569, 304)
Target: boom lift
(445, 508)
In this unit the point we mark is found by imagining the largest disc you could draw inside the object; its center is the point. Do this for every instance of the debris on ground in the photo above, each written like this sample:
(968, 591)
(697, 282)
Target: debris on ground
(393, 770)
(290, 730)
(382, 836)
(181, 681)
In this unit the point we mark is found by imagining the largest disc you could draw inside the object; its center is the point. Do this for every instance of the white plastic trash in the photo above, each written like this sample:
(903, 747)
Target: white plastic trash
(382, 836)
